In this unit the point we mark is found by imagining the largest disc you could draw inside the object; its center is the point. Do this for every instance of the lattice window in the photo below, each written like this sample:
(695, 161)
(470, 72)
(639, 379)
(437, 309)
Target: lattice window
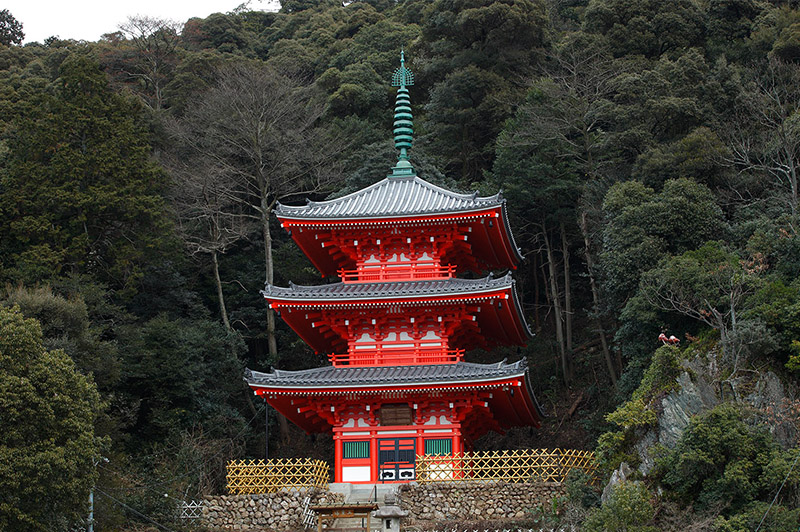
(356, 449)
(439, 447)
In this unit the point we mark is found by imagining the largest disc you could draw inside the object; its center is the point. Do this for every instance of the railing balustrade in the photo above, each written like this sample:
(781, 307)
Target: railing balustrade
(398, 271)
(397, 356)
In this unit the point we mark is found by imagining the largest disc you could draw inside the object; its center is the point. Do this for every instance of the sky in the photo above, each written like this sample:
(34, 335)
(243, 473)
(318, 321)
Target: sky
(89, 19)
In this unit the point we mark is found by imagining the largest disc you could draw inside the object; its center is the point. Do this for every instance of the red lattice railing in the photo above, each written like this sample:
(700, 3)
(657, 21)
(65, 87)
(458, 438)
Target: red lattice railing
(412, 271)
(397, 357)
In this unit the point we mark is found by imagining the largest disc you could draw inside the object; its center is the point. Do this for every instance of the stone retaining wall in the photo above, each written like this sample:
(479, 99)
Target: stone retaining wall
(426, 504)
(476, 501)
(281, 511)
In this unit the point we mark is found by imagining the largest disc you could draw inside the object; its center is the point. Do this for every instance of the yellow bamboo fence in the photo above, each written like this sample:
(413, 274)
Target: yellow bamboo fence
(255, 476)
(526, 465)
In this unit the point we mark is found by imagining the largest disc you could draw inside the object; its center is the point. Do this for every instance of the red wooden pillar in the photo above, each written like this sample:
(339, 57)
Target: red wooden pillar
(373, 456)
(419, 417)
(338, 454)
(457, 450)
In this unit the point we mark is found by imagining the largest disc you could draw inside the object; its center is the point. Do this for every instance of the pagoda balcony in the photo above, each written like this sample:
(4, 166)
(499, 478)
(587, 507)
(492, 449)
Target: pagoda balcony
(398, 357)
(393, 271)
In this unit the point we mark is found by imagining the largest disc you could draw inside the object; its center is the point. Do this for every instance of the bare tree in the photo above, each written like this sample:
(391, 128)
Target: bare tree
(260, 131)
(764, 137)
(209, 221)
(146, 56)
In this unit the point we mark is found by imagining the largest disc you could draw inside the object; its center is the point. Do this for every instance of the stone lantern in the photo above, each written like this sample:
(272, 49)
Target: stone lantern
(390, 515)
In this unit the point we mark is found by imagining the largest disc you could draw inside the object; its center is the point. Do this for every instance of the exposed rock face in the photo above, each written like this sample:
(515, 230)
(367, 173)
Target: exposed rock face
(617, 477)
(693, 396)
(697, 394)
(769, 394)
(679, 406)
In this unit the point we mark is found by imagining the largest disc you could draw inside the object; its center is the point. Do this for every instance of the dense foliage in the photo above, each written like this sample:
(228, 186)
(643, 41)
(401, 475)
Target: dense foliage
(649, 152)
(47, 458)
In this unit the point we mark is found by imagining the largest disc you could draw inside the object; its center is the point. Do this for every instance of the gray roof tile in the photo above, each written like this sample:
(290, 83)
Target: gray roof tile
(393, 196)
(385, 375)
(357, 291)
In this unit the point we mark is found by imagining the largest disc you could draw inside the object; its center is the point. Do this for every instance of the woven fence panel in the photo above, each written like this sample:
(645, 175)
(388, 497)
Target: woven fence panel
(256, 476)
(526, 465)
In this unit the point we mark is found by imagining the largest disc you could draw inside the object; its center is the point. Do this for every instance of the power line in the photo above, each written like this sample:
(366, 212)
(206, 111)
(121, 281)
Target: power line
(137, 512)
(778, 493)
(154, 486)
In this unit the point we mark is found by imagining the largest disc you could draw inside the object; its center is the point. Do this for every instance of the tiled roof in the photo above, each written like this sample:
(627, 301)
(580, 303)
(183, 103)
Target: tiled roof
(460, 372)
(355, 291)
(393, 196)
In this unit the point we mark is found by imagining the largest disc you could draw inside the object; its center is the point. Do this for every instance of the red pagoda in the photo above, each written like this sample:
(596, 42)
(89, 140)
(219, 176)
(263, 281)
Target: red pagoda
(396, 326)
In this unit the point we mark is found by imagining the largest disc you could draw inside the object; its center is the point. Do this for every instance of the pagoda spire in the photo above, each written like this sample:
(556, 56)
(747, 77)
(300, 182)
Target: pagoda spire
(403, 125)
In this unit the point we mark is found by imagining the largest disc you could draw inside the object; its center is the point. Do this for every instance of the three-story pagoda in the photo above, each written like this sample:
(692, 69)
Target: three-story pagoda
(396, 326)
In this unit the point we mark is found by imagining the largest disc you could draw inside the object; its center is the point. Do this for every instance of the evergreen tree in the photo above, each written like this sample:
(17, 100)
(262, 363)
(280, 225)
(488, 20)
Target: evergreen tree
(80, 194)
(47, 443)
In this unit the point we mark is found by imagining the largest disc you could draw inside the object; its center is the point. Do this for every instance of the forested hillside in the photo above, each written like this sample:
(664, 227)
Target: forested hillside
(649, 151)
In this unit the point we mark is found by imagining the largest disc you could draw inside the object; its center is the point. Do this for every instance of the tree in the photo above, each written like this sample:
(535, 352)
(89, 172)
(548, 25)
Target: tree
(565, 121)
(764, 138)
(67, 325)
(259, 129)
(146, 56)
(209, 221)
(474, 55)
(10, 29)
(180, 373)
(721, 461)
(47, 442)
(647, 27)
(465, 118)
(642, 226)
(709, 285)
(80, 193)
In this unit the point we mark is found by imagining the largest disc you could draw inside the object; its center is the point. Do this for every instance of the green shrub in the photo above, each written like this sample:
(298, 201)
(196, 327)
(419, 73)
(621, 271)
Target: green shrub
(613, 448)
(778, 519)
(580, 490)
(628, 509)
(659, 378)
(720, 461)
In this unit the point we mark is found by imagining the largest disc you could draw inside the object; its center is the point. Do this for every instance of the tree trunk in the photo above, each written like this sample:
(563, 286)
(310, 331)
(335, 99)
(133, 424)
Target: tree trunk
(535, 272)
(567, 291)
(556, 299)
(596, 299)
(792, 181)
(269, 275)
(266, 210)
(222, 310)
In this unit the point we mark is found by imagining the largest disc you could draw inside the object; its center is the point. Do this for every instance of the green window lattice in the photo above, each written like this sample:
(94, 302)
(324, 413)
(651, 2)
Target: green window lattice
(356, 449)
(439, 447)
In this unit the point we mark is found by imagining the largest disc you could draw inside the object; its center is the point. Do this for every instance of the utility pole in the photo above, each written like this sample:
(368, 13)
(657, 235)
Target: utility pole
(90, 521)
(91, 510)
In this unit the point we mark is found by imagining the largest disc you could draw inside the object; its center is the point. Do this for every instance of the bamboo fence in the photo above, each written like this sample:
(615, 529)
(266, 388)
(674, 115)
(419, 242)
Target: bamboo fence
(255, 476)
(526, 465)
